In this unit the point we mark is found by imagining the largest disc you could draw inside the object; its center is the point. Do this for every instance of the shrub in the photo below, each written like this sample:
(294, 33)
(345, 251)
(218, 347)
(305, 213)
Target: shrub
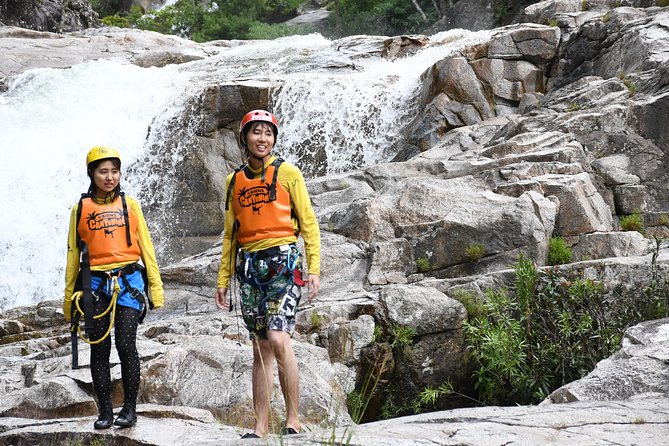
(264, 31)
(475, 252)
(422, 264)
(402, 336)
(116, 20)
(559, 252)
(632, 222)
(631, 86)
(470, 301)
(429, 395)
(550, 330)
(573, 107)
(316, 320)
(378, 333)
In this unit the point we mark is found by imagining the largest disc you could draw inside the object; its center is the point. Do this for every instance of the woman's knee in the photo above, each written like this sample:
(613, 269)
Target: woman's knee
(279, 341)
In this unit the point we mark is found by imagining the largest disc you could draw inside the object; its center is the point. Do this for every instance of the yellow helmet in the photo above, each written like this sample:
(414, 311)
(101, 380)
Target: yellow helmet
(101, 152)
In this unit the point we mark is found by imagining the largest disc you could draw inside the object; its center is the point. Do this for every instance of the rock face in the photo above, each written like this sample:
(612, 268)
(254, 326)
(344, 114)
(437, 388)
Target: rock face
(529, 134)
(49, 15)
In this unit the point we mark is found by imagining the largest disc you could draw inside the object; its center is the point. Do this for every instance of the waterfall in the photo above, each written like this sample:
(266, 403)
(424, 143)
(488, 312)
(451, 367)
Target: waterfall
(50, 118)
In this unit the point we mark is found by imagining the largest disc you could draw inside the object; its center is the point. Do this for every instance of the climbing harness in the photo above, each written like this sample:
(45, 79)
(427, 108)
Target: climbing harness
(83, 306)
(84, 298)
(247, 272)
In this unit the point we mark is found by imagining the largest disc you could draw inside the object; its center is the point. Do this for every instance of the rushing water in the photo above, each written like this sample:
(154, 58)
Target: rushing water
(49, 118)
(48, 121)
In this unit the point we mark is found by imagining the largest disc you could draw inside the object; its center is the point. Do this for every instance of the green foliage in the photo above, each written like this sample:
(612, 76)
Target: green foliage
(559, 252)
(106, 7)
(391, 408)
(632, 222)
(548, 331)
(573, 107)
(358, 400)
(116, 20)
(664, 219)
(206, 20)
(180, 19)
(662, 3)
(263, 31)
(475, 308)
(134, 14)
(233, 19)
(631, 86)
(316, 320)
(378, 333)
(379, 17)
(475, 252)
(553, 23)
(402, 336)
(501, 12)
(423, 264)
(354, 404)
(428, 396)
(606, 17)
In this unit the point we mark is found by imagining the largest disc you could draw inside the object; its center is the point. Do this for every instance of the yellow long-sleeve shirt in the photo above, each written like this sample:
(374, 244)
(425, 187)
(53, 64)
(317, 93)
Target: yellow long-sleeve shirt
(147, 254)
(292, 180)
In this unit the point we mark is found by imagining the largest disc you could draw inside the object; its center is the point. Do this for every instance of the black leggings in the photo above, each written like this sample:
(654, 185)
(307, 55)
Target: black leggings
(125, 334)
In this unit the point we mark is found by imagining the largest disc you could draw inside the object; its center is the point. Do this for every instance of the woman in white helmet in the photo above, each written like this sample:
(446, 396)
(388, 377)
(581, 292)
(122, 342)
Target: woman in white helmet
(105, 284)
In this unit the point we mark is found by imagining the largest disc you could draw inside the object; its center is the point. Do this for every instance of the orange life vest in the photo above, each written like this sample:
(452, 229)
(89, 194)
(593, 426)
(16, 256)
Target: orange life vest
(103, 228)
(262, 209)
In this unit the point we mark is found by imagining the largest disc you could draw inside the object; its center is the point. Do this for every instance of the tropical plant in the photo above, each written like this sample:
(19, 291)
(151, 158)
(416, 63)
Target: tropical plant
(233, 19)
(475, 252)
(559, 252)
(632, 222)
(550, 330)
(402, 336)
(382, 17)
(422, 264)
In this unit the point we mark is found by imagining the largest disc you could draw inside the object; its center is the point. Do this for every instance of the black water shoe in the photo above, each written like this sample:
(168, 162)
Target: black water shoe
(289, 431)
(250, 435)
(105, 420)
(127, 417)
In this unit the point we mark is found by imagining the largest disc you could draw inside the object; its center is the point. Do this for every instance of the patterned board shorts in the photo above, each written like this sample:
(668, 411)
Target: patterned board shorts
(269, 294)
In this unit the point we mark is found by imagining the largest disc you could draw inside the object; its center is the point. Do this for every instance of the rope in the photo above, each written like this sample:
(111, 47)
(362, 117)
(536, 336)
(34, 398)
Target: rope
(112, 307)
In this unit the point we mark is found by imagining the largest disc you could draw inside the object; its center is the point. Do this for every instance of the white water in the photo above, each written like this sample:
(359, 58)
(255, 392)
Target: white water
(49, 119)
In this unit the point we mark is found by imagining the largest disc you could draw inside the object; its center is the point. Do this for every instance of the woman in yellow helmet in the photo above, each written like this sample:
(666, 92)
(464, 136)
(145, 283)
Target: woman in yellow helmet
(107, 237)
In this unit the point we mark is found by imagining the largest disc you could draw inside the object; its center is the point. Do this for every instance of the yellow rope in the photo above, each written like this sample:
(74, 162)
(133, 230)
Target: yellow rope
(112, 307)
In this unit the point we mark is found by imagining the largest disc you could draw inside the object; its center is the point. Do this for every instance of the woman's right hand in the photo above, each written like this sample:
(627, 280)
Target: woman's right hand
(222, 301)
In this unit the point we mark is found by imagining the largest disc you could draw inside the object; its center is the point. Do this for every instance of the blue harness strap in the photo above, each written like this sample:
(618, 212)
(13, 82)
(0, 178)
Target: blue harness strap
(247, 273)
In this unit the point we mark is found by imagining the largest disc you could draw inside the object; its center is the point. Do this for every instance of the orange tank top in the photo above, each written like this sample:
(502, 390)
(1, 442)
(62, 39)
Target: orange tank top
(102, 228)
(261, 214)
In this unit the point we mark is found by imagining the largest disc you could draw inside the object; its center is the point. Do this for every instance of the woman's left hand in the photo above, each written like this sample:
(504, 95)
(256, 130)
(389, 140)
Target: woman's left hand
(313, 286)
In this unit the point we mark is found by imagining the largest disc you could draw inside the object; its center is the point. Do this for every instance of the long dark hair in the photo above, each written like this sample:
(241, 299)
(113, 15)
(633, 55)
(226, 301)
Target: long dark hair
(111, 196)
